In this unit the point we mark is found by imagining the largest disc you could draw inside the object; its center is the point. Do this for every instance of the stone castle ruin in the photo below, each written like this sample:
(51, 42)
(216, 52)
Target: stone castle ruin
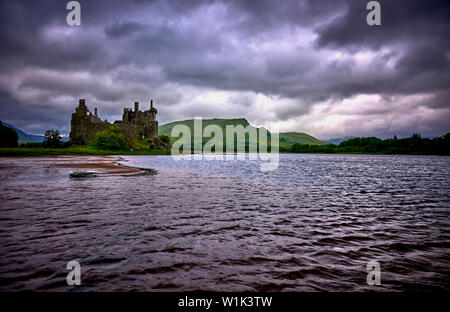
(134, 124)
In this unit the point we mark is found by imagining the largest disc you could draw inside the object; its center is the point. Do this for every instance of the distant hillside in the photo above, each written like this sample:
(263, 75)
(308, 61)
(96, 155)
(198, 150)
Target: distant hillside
(286, 139)
(28, 138)
(337, 141)
(300, 138)
(25, 137)
(167, 128)
(222, 123)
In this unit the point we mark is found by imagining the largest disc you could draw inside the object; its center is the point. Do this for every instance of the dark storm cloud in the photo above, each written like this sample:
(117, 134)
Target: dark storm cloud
(417, 31)
(123, 29)
(37, 117)
(413, 20)
(297, 54)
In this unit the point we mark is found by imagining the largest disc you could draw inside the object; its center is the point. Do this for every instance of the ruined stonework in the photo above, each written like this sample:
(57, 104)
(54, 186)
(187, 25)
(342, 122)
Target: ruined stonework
(134, 124)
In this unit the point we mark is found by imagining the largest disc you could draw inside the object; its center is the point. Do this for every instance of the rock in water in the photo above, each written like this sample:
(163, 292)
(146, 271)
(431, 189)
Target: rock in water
(83, 174)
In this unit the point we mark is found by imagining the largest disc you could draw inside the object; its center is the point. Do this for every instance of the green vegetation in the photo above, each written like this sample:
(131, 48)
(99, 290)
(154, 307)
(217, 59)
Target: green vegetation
(109, 142)
(309, 148)
(287, 139)
(110, 139)
(52, 139)
(166, 129)
(8, 137)
(248, 141)
(415, 145)
(165, 139)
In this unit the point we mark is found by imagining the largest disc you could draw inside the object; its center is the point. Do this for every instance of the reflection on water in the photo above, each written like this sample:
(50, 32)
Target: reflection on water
(313, 224)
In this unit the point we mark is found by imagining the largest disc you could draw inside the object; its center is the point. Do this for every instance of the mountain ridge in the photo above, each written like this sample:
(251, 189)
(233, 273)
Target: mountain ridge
(287, 139)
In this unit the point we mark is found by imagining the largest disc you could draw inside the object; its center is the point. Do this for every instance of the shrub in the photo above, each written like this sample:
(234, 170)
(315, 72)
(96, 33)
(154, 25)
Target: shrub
(165, 139)
(112, 139)
(158, 143)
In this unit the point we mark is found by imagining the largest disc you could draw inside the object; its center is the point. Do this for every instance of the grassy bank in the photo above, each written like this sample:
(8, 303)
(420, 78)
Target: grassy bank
(74, 150)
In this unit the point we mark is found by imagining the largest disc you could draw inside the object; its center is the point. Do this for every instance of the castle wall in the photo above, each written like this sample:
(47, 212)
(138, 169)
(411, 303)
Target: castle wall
(131, 130)
(92, 129)
(85, 129)
(134, 124)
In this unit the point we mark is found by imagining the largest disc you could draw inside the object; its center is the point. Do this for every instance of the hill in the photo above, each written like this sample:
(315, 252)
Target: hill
(25, 137)
(28, 138)
(337, 141)
(222, 123)
(300, 138)
(166, 129)
(287, 139)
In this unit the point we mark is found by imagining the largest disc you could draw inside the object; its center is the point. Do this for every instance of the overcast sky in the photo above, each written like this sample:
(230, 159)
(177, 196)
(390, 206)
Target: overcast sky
(311, 66)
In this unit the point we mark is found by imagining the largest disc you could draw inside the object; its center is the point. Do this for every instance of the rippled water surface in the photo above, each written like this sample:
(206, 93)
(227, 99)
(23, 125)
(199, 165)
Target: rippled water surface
(313, 224)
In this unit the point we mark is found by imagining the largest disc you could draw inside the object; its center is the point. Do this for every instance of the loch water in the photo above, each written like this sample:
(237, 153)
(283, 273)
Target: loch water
(313, 224)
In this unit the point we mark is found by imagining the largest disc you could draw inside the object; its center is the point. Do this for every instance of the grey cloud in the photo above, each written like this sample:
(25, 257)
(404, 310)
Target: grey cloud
(34, 119)
(417, 31)
(123, 29)
(414, 20)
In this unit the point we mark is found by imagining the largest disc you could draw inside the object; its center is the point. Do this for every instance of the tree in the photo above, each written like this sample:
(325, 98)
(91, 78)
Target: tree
(8, 136)
(53, 138)
(112, 139)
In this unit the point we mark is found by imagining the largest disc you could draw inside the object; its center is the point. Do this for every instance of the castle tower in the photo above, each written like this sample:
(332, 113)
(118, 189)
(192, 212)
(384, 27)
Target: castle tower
(153, 111)
(152, 124)
(82, 108)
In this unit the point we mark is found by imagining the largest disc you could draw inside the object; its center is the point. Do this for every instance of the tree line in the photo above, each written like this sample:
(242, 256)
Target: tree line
(414, 145)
